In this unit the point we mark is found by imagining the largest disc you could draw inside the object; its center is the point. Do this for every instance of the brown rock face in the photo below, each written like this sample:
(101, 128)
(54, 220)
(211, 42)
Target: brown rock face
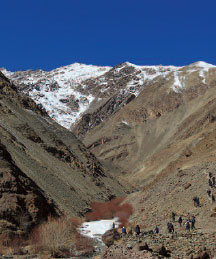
(22, 203)
(91, 120)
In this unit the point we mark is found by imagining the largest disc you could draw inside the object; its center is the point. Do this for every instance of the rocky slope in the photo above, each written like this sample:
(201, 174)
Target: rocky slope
(183, 245)
(155, 118)
(22, 203)
(163, 142)
(156, 125)
(44, 168)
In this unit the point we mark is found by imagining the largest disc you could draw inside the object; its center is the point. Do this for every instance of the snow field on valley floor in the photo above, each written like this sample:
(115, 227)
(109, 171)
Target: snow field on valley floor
(95, 229)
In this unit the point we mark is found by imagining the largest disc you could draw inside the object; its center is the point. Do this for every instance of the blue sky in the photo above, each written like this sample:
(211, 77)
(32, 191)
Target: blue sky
(50, 33)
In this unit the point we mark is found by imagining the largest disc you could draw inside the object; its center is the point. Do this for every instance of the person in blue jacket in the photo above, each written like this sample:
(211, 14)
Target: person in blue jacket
(124, 232)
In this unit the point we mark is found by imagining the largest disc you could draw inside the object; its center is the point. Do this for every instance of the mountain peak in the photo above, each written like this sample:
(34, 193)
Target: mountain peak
(201, 64)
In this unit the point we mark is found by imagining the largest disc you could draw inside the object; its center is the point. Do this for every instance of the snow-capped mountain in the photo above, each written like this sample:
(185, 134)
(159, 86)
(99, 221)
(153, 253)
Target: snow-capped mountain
(57, 90)
(68, 92)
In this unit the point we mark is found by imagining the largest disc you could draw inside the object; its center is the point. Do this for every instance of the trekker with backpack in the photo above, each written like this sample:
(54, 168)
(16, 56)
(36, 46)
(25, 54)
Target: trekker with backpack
(170, 227)
(187, 226)
(192, 222)
(213, 198)
(124, 232)
(213, 181)
(137, 230)
(180, 221)
(208, 192)
(173, 216)
(196, 201)
(210, 182)
(156, 230)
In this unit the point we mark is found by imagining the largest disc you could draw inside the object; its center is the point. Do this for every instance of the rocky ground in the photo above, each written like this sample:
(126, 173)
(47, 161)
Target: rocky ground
(175, 193)
(194, 244)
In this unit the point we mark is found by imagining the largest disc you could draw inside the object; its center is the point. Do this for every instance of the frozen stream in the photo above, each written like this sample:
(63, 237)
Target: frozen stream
(95, 229)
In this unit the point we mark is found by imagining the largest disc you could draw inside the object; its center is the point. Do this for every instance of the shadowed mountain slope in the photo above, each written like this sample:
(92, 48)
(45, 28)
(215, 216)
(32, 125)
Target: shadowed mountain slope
(48, 157)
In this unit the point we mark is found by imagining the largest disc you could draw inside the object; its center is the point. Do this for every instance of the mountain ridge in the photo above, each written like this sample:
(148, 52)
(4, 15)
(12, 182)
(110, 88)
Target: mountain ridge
(65, 92)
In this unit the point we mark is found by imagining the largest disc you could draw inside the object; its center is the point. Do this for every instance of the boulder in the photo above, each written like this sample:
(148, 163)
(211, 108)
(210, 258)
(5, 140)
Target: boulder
(110, 236)
(161, 250)
(141, 247)
(129, 246)
(202, 255)
(187, 185)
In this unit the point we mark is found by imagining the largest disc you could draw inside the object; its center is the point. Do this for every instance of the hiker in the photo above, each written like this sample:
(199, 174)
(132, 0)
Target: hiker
(124, 231)
(209, 192)
(180, 221)
(173, 216)
(213, 181)
(196, 201)
(192, 222)
(210, 175)
(137, 230)
(170, 227)
(156, 230)
(210, 182)
(213, 198)
(187, 225)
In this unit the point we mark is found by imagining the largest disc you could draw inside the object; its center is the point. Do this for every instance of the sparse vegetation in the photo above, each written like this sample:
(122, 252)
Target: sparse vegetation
(60, 238)
(111, 209)
(57, 237)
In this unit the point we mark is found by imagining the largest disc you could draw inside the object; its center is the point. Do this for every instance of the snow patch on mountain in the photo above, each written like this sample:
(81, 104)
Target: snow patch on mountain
(67, 92)
(147, 74)
(8, 74)
(201, 64)
(177, 84)
(203, 76)
(57, 91)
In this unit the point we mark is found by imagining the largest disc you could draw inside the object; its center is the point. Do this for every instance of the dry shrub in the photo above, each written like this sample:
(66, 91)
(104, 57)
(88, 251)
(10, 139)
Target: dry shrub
(109, 210)
(56, 235)
(13, 245)
(17, 245)
(59, 237)
(124, 212)
(24, 221)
